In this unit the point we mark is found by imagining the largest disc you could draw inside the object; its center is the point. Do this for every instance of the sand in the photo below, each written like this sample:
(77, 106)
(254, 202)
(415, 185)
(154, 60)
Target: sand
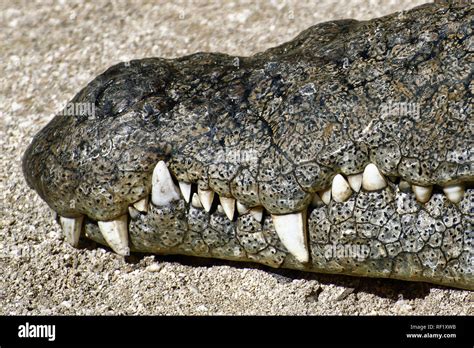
(51, 49)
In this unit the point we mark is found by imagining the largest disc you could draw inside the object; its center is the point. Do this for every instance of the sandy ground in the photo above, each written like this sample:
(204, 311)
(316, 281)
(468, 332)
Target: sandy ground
(51, 49)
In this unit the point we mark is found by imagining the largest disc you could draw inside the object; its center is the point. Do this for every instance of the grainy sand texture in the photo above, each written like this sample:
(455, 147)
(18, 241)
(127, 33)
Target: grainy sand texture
(49, 50)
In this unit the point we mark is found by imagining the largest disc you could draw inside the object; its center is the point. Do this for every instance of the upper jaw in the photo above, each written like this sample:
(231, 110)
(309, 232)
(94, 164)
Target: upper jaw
(262, 133)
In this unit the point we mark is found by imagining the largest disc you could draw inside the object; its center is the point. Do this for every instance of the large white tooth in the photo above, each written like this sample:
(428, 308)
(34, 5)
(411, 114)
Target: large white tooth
(185, 190)
(195, 201)
(372, 179)
(454, 193)
(241, 209)
(340, 189)
(72, 228)
(163, 189)
(257, 213)
(206, 197)
(326, 195)
(355, 181)
(115, 233)
(229, 206)
(317, 201)
(141, 205)
(422, 193)
(291, 229)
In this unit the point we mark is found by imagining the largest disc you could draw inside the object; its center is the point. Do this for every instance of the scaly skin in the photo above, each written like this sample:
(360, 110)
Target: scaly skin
(273, 129)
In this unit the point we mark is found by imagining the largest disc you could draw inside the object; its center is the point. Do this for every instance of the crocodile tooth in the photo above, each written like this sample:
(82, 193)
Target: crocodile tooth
(317, 201)
(206, 197)
(291, 229)
(454, 193)
(195, 201)
(422, 193)
(228, 204)
(257, 213)
(163, 189)
(372, 179)
(340, 190)
(355, 181)
(141, 205)
(115, 233)
(185, 190)
(72, 228)
(326, 195)
(241, 208)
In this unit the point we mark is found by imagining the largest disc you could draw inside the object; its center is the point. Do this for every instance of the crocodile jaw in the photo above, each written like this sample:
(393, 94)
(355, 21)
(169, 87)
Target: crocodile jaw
(270, 136)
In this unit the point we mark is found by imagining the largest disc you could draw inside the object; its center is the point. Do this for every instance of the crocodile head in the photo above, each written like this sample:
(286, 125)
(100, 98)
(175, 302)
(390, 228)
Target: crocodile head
(346, 150)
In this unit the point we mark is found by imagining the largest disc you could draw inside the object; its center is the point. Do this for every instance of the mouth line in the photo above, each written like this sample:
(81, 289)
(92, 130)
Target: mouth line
(200, 194)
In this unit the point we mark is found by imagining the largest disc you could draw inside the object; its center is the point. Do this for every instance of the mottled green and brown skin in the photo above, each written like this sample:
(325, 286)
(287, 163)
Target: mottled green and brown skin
(271, 130)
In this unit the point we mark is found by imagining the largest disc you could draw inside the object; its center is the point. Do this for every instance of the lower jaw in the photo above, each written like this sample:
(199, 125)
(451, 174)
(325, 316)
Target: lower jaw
(364, 236)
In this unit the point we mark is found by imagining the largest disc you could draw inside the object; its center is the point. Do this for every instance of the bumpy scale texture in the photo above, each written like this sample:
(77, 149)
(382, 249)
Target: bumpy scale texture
(273, 129)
